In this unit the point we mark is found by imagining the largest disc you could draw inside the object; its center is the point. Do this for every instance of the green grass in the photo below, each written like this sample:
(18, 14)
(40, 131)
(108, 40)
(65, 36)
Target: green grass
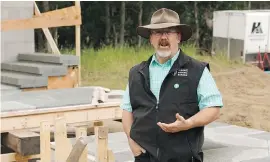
(109, 67)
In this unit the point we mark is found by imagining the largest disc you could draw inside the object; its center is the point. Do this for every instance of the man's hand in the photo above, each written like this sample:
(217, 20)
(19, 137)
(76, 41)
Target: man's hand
(179, 125)
(135, 148)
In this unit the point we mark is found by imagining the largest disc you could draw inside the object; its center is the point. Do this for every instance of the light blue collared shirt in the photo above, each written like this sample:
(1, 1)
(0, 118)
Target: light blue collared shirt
(208, 93)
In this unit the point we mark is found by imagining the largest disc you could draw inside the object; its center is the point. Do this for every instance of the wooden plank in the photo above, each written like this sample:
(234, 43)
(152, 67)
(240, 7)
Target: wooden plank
(69, 16)
(101, 136)
(79, 151)
(62, 143)
(98, 123)
(70, 80)
(45, 146)
(47, 33)
(58, 109)
(14, 156)
(82, 132)
(23, 142)
(78, 43)
(111, 157)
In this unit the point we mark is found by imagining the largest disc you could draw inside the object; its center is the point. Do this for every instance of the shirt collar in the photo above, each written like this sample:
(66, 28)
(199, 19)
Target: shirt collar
(169, 62)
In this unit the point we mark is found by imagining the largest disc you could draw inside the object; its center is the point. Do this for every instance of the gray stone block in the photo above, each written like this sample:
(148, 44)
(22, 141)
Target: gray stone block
(8, 87)
(209, 144)
(14, 106)
(263, 135)
(50, 58)
(265, 159)
(50, 98)
(16, 36)
(19, 4)
(236, 130)
(10, 50)
(36, 68)
(217, 124)
(23, 80)
(232, 154)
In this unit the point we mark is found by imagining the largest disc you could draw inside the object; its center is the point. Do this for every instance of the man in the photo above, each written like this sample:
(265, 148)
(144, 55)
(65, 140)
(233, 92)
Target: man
(169, 98)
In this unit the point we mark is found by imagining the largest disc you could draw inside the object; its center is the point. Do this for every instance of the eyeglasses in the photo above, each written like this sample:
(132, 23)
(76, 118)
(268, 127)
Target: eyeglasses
(161, 32)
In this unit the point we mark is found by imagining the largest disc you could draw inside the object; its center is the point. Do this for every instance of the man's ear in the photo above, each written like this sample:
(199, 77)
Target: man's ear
(179, 37)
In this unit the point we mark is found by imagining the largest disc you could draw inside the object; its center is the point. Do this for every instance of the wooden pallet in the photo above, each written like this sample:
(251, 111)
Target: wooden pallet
(29, 145)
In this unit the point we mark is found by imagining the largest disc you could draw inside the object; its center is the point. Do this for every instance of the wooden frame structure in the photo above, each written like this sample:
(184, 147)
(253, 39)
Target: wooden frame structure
(64, 151)
(69, 16)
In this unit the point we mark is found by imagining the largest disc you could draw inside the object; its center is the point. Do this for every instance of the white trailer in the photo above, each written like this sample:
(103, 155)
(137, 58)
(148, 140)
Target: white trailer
(241, 35)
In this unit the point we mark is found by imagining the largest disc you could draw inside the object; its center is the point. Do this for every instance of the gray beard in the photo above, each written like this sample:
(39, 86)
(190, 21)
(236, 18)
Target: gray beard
(163, 53)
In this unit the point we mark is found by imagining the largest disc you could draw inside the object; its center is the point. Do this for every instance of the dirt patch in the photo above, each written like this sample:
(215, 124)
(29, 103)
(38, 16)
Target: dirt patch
(246, 96)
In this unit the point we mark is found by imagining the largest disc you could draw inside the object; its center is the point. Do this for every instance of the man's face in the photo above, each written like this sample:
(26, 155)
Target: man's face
(165, 41)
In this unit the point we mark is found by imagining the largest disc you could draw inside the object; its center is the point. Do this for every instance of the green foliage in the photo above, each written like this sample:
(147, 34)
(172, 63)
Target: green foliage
(94, 16)
(109, 66)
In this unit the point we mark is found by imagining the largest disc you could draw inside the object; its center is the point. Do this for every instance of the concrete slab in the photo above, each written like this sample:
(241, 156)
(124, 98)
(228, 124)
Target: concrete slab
(23, 80)
(48, 98)
(235, 130)
(50, 58)
(14, 106)
(262, 135)
(265, 159)
(8, 87)
(217, 124)
(209, 144)
(44, 69)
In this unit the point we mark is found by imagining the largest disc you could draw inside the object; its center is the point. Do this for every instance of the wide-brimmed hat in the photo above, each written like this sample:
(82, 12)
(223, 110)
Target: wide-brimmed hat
(165, 18)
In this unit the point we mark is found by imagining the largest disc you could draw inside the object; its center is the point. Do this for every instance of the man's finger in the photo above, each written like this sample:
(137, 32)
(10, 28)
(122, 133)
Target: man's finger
(161, 125)
(179, 117)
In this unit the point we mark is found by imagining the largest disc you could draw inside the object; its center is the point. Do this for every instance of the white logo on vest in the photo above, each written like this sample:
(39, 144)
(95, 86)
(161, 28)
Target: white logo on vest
(181, 72)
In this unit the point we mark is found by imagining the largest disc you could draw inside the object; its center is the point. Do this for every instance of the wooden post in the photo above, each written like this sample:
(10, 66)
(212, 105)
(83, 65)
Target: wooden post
(82, 132)
(62, 144)
(45, 145)
(101, 135)
(111, 157)
(78, 43)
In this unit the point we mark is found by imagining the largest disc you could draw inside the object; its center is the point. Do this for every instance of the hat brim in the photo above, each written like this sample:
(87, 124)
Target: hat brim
(185, 30)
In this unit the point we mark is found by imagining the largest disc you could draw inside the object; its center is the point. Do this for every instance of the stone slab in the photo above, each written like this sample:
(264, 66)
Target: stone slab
(23, 80)
(217, 124)
(64, 59)
(264, 159)
(48, 98)
(8, 87)
(209, 144)
(44, 69)
(13, 106)
(235, 130)
(263, 135)
(237, 140)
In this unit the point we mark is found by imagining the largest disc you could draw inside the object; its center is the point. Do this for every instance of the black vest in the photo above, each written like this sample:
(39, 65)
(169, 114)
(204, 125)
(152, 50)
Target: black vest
(178, 94)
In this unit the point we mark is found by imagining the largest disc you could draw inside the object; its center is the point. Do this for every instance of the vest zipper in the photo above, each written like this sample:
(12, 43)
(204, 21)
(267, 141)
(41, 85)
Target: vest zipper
(158, 130)
(192, 159)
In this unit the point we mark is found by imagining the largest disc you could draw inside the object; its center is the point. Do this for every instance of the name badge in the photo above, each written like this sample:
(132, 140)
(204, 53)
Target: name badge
(181, 72)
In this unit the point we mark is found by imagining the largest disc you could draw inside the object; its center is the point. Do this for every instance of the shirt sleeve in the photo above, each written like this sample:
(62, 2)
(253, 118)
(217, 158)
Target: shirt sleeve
(208, 93)
(125, 104)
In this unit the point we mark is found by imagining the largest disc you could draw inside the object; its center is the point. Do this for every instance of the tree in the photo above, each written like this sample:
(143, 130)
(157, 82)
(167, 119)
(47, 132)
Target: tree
(122, 27)
(140, 5)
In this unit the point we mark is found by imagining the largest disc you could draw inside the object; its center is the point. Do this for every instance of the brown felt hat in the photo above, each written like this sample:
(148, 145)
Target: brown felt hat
(165, 18)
